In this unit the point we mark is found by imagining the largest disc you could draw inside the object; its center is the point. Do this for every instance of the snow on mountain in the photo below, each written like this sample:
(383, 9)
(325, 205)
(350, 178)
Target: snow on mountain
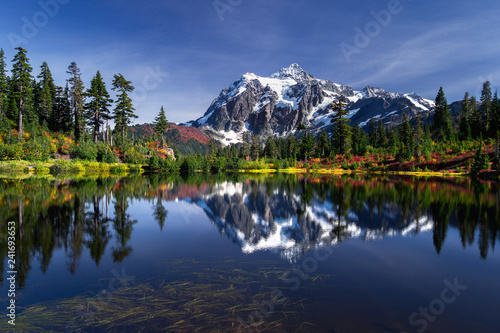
(275, 105)
(259, 221)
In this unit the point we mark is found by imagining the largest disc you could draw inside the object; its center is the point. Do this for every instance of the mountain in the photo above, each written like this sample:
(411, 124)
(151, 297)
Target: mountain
(275, 105)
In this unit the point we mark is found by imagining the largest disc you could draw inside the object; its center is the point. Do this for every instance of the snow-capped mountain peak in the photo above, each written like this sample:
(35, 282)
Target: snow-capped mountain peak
(294, 71)
(275, 105)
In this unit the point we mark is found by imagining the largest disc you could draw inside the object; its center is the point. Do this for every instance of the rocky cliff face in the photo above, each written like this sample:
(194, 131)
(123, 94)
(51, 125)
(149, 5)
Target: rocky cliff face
(275, 105)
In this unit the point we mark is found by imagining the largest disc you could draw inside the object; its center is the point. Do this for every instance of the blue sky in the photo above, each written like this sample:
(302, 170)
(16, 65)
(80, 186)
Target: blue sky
(181, 54)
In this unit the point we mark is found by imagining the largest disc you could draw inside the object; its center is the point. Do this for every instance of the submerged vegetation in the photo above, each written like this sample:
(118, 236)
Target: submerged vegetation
(210, 297)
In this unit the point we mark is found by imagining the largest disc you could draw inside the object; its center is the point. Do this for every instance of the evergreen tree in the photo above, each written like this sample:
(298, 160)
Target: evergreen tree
(4, 86)
(124, 111)
(497, 148)
(22, 88)
(494, 116)
(61, 113)
(292, 147)
(270, 150)
(359, 141)
(161, 124)
(77, 99)
(307, 144)
(442, 118)
(282, 148)
(341, 129)
(12, 109)
(323, 150)
(67, 115)
(464, 130)
(212, 150)
(372, 133)
(475, 119)
(244, 150)
(381, 137)
(46, 94)
(255, 148)
(394, 140)
(485, 108)
(301, 128)
(419, 136)
(406, 137)
(97, 108)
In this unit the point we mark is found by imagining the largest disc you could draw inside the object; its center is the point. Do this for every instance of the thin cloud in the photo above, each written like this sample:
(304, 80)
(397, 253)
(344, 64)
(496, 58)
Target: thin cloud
(442, 48)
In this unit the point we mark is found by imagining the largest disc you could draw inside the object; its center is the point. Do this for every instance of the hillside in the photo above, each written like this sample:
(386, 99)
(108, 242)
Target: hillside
(187, 139)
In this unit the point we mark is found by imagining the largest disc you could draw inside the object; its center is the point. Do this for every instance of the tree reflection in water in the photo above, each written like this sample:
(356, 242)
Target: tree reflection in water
(306, 210)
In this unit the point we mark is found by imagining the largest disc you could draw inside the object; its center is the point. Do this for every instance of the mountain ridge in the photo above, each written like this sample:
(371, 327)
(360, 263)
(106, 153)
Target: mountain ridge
(276, 104)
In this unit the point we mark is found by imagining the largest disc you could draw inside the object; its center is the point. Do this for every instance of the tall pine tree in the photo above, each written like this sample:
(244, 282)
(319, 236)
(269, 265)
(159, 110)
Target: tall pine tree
(97, 108)
(419, 135)
(359, 141)
(123, 112)
(270, 150)
(4, 91)
(4, 85)
(381, 137)
(292, 147)
(307, 144)
(323, 149)
(406, 133)
(464, 130)
(46, 94)
(485, 108)
(22, 88)
(495, 116)
(475, 119)
(77, 99)
(341, 129)
(161, 124)
(61, 119)
(442, 118)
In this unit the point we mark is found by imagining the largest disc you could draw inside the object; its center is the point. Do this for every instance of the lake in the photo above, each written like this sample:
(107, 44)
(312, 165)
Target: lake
(252, 253)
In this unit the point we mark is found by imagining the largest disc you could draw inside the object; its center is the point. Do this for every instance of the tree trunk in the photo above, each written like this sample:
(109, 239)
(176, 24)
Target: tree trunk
(96, 127)
(107, 131)
(20, 118)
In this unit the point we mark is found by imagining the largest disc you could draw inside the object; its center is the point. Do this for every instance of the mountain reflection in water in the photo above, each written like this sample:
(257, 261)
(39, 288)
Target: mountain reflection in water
(286, 214)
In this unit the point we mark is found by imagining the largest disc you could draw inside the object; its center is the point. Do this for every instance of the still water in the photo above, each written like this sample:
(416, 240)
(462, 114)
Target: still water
(273, 253)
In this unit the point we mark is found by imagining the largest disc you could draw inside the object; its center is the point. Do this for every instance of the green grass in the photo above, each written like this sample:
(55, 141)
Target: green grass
(61, 167)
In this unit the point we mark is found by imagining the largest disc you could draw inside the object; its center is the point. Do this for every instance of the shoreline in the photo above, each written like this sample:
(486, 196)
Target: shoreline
(26, 169)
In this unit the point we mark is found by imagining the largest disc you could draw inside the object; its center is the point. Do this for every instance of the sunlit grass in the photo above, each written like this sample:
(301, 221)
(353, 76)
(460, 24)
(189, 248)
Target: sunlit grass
(63, 168)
